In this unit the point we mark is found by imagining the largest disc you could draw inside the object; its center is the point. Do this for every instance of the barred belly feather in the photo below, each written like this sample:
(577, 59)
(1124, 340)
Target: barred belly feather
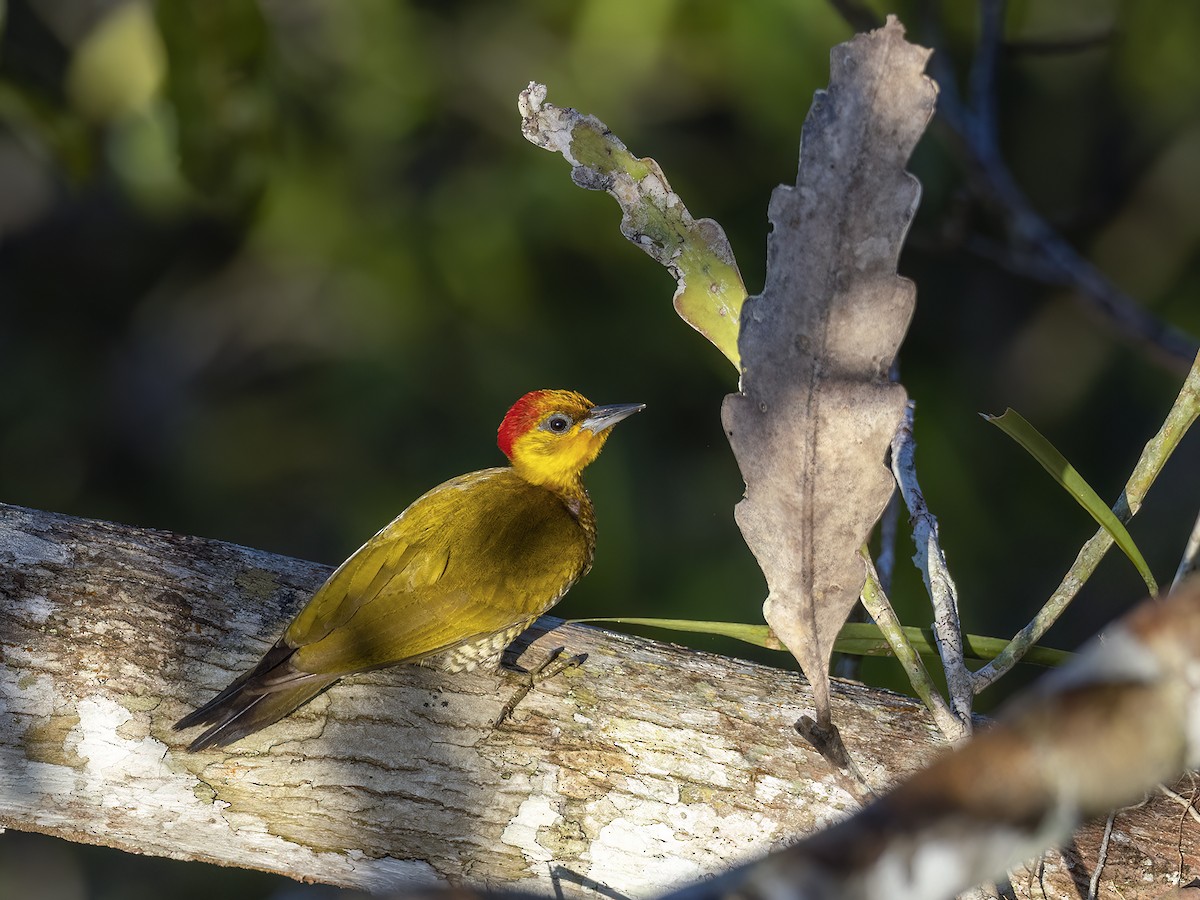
(485, 652)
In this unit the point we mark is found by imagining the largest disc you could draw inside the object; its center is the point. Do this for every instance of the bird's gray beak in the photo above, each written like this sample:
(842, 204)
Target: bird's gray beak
(602, 417)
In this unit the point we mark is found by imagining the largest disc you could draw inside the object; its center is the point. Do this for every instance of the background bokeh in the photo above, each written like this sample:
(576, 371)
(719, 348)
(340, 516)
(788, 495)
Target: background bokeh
(269, 270)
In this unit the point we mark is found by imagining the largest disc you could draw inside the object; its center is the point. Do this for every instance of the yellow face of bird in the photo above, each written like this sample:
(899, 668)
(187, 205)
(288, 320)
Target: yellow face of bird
(552, 436)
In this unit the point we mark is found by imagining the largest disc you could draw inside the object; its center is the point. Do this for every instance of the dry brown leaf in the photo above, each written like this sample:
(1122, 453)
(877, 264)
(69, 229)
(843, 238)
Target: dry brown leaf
(816, 411)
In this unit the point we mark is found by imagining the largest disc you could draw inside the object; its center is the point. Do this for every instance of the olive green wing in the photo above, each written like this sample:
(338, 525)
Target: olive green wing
(475, 556)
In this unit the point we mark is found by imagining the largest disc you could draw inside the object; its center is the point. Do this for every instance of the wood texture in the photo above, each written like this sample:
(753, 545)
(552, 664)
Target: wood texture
(648, 767)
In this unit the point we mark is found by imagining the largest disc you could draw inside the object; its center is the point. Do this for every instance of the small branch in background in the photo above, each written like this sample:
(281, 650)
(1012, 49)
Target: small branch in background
(1191, 555)
(1154, 456)
(880, 609)
(934, 571)
(889, 522)
(1039, 251)
(983, 129)
(1017, 260)
(1058, 46)
(1101, 856)
(1189, 805)
(1028, 231)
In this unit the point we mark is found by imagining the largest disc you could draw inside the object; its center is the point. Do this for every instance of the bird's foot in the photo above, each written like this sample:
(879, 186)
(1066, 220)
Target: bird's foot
(550, 667)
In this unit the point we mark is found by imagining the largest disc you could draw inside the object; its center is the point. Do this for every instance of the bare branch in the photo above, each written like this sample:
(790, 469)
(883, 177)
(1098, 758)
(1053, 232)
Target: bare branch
(935, 572)
(983, 130)
(648, 767)
(1191, 555)
(880, 609)
(1040, 251)
(108, 634)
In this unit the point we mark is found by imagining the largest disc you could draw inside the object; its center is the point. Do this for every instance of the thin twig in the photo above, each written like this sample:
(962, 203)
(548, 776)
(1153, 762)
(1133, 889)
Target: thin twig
(1017, 260)
(1154, 456)
(1040, 871)
(1191, 556)
(889, 522)
(982, 118)
(1189, 805)
(1058, 46)
(880, 608)
(1031, 232)
(936, 574)
(1027, 229)
(1102, 856)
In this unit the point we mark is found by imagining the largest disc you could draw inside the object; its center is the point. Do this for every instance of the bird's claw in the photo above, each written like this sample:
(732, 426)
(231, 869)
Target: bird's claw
(550, 667)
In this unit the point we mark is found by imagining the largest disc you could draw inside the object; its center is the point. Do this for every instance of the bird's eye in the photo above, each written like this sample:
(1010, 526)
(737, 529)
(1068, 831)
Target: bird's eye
(558, 423)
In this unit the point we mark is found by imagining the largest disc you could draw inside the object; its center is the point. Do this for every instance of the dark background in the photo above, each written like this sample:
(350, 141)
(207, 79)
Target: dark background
(270, 270)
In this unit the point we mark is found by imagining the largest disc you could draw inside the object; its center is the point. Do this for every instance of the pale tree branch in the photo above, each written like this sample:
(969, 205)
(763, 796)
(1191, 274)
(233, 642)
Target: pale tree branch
(1190, 561)
(1101, 731)
(880, 609)
(931, 562)
(647, 752)
(649, 767)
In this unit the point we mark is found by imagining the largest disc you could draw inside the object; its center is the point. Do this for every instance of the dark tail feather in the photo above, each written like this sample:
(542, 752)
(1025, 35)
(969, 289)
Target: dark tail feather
(262, 696)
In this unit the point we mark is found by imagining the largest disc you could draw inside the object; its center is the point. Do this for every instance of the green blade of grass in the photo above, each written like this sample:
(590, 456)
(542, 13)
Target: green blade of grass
(855, 638)
(1020, 430)
(758, 635)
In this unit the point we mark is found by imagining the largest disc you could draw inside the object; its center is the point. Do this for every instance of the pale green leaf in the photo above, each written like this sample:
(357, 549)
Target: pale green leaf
(1020, 430)
(855, 638)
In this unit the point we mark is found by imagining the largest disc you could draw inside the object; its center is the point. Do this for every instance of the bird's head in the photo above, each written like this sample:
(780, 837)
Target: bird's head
(551, 436)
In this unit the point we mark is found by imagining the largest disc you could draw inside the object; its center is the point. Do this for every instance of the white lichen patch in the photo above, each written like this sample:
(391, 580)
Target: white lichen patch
(651, 848)
(387, 873)
(117, 779)
(24, 550)
(25, 694)
(522, 832)
(675, 752)
(39, 608)
(768, 787)
(664, 790)
(700, 718)
(639, 859)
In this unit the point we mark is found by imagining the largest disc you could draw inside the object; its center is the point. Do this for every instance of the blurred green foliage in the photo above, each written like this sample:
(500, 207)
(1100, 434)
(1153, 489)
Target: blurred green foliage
(269, 270)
